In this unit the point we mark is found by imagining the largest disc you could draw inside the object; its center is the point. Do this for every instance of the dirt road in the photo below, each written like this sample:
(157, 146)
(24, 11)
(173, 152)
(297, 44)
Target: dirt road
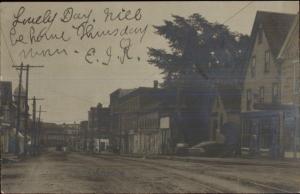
(58, 172)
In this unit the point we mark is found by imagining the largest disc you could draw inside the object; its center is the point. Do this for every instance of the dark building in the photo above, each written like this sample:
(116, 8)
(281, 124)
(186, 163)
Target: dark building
(83, 129)
(54, 135)
(6, 103)
(98, 128)
(6, 116)
(155, 120)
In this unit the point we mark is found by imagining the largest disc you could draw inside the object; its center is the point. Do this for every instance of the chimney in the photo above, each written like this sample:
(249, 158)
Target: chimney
(155, 84)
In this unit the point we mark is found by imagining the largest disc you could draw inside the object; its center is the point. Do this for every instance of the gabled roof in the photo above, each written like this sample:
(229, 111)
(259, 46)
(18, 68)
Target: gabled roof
(276, 26)
(295, 25)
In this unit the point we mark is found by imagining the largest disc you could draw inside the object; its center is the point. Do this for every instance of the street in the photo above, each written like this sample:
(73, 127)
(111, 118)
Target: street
(59, 172)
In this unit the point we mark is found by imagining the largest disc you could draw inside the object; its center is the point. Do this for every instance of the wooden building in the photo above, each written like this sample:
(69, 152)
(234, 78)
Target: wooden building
(261, 104)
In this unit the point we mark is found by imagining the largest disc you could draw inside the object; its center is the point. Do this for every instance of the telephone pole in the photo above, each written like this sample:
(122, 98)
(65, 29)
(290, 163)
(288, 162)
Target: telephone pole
(39, 128)
(34, 126)
(18, 112)
(26, 115)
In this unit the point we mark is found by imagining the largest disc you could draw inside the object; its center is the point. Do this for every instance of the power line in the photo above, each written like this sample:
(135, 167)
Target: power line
(239, 11)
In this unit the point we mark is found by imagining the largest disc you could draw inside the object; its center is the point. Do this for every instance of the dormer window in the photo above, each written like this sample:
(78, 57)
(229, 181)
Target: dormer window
(260, 34)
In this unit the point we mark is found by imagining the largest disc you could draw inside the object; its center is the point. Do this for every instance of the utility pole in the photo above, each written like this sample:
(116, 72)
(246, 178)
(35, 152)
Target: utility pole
(26, 112)
(26, 116)
(18, 112)
(33, 129)
(39, 128)
(34, 126)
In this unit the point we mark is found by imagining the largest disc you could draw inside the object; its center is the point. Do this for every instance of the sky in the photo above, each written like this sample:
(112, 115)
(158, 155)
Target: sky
(69, 83)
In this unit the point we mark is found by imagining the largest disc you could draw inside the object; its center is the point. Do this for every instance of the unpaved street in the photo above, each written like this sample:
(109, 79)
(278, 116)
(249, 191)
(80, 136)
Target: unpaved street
(58, 172)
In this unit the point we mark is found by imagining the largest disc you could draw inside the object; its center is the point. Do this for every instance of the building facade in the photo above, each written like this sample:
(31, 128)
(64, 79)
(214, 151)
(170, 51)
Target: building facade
(99, 128)
(83, 129)
(262, 115)
(290, 79)
(8, 117)
(156, 120)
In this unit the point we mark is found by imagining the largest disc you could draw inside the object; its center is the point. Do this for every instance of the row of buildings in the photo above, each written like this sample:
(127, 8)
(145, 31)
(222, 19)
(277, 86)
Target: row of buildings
(263, 117)
(20, 132)
(8, 118)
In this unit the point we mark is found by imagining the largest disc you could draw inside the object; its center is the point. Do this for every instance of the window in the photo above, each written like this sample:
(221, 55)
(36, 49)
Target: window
(261, 94)
(275, 93)
(260, 34)
(267, 61)
(249, 99)
(253, 65)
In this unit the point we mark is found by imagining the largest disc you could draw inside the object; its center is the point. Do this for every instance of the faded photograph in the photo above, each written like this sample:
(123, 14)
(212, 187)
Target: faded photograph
(150, 97)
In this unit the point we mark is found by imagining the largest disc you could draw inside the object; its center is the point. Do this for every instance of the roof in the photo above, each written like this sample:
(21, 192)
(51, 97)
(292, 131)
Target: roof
(124, 92)
(288, 37)
(276, 27)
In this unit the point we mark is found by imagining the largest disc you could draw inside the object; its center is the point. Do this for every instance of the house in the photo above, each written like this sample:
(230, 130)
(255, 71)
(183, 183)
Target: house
(226, 109)
(290, 79)
(261, 111)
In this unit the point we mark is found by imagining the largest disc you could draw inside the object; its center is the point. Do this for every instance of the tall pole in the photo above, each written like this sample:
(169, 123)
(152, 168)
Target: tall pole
(33, 136)
(34, 125)
(39, 128)
(18, 112)
(26, 115)
(26, 112)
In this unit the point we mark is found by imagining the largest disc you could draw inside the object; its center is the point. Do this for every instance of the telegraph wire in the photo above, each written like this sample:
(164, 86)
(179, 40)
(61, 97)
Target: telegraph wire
(236, 13)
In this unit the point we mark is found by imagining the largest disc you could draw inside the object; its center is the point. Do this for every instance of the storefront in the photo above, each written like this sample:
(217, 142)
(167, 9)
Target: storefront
(270, 133)
(261, 133)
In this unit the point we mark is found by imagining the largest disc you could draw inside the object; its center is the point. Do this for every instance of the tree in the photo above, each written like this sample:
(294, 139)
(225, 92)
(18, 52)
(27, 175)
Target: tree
(198, 46)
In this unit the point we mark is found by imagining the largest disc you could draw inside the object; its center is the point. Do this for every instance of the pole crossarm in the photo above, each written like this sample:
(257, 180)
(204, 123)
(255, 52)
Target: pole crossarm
(24, 67)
